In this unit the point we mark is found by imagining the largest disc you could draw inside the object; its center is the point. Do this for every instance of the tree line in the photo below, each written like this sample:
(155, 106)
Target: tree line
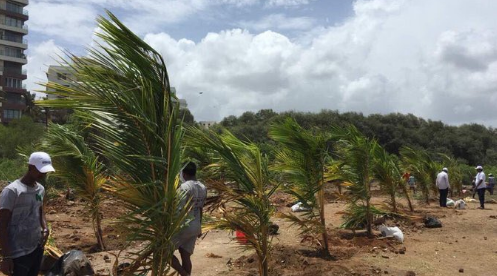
(469, 144)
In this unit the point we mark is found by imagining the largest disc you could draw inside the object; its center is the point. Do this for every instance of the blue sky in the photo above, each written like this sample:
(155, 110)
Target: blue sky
(435, 59)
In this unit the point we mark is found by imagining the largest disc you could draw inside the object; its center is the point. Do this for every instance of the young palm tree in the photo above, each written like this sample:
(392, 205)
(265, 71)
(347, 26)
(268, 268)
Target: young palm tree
(388, 173)
(243, 165)
(302, 162)
(79, 167)
(357, 162)
(422, 166)
(124, 90)
(455, 173)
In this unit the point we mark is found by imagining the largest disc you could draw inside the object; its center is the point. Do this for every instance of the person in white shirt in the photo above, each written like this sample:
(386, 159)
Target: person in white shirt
(443, 186)
(480, 186)
(195, 194)
(23, 228)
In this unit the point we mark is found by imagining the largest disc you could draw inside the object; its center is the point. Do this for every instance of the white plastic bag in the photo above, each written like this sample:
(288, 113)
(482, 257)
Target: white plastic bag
(392, 232)
(299, 208)
(460, 204)
(450, 202)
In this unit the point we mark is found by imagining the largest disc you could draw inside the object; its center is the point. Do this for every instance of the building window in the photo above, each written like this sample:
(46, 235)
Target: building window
(14, 83)
(61, 76)
(13, 7)
(9, 21)
(11, 114)
(14, 52)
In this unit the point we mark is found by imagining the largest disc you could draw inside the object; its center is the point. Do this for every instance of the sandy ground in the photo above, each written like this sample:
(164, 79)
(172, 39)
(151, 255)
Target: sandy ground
(467, 242)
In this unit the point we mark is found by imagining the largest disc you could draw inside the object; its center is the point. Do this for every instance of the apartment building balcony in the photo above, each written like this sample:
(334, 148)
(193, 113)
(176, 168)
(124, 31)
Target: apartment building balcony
(13, 57)
(16, 105)
(13, 72)
(19, 13)
(23, 2)
(18, 29)
(16, 90)
(18, 42)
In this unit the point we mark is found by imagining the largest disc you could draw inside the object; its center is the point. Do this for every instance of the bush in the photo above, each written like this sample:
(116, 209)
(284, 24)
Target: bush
(12, 169)
(19, 133)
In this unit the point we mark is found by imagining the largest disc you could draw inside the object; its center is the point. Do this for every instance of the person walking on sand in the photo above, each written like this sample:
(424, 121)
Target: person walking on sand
(480, 186)
(196, 193)
(443, 186)
(23, 229)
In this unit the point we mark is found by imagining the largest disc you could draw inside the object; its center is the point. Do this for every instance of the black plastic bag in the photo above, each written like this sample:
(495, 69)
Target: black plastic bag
(73, 263)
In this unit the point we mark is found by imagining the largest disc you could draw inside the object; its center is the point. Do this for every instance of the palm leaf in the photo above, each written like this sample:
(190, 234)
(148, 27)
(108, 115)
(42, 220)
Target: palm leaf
(123, 89)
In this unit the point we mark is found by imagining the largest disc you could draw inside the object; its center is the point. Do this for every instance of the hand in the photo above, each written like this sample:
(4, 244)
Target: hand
(44, 237)
(7, 266)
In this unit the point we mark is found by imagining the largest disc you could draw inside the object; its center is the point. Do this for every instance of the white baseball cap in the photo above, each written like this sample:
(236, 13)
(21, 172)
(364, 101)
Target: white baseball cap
(479, 168)
(42, 161)
(445, 170)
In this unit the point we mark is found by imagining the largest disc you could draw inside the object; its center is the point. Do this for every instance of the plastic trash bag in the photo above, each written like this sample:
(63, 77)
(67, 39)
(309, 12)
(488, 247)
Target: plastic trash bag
(73, 263)
(460, 204)
(450, 202)
(392, 232)
(299, 207)
(432, 222)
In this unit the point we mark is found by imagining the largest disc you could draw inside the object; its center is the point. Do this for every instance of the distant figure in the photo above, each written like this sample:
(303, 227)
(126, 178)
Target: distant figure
(491, 183)
(23, 229)
(480, 186)
(196, 193)
(443, 186)
(412, 183)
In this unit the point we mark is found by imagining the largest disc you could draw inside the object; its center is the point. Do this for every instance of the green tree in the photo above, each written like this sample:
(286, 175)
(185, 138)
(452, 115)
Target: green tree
(302, 161)
(356, 154)
(388, 173)
(423, 167)
(242, 164)
(21, 132)
(124, 90)
(80, 168)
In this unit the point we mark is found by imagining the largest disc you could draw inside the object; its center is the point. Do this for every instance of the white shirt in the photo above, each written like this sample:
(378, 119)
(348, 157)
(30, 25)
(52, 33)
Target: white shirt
(196, 193)
(443, 181)
(24, 228)
(480, 176)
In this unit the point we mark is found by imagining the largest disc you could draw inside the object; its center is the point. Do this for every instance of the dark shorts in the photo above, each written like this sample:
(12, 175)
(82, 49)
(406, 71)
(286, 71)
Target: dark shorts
(28, 265)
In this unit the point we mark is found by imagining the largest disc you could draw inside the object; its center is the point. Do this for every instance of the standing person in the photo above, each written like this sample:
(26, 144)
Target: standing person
(443, 186)
(196, 193)
(23, 229)
(491, 183)
(412, 183)
(480, 186)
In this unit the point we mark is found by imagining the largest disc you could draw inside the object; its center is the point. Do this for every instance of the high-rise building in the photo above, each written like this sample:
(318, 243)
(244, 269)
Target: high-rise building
(13, 16)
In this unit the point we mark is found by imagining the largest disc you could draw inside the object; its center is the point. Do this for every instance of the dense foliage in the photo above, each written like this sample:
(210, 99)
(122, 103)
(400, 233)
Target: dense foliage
(469, 144)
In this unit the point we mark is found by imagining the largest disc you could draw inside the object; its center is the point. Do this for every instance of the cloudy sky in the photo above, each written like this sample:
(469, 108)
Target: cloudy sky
(434, 59)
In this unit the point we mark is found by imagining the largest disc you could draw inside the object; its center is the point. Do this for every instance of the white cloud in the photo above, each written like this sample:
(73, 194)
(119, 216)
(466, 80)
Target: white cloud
(41, 56)
(279, 22)
(436, 59)
(72, 23)
(288, 3)
(391, 56)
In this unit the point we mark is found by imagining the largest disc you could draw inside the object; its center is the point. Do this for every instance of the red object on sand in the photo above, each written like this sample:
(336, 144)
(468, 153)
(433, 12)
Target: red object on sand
(240, 237)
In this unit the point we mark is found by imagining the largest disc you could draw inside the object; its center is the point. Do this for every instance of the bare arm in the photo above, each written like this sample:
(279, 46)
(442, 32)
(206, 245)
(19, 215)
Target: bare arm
(44, 226)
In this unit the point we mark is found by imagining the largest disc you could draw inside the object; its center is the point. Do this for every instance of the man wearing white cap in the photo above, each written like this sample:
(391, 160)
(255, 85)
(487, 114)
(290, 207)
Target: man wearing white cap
(480, 186)
(23, 229)
(443, 186)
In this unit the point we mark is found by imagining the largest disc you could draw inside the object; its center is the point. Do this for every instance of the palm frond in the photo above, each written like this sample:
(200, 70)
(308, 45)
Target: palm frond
(124, 90)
